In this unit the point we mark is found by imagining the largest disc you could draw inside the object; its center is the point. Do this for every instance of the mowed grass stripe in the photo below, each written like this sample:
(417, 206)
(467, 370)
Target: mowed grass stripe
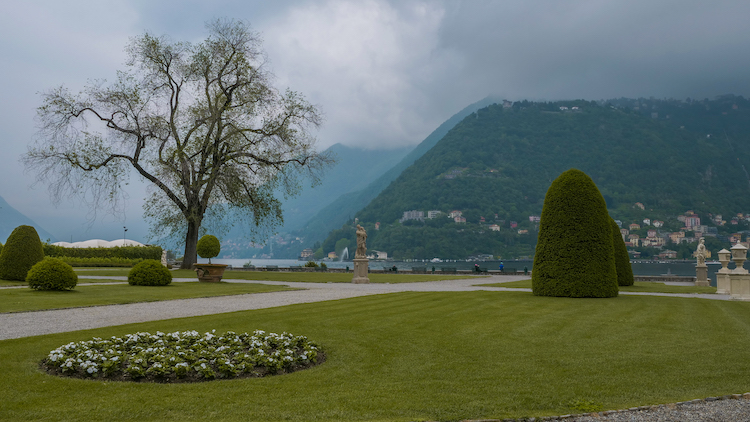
(307, 277)
(19, 300)
(425, 356)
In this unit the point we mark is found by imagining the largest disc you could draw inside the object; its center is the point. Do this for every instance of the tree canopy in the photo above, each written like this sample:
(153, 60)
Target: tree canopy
(201, 122)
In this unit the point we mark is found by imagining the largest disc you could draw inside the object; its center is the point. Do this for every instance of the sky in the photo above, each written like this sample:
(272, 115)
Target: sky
(384, 73)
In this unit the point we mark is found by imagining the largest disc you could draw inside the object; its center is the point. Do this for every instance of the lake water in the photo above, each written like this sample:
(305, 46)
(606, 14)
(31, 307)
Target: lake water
(683, 268)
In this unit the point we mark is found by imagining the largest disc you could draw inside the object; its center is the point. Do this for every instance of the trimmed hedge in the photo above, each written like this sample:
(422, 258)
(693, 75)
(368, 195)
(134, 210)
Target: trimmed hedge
(622, 259)
(149, 273)
(574, 252)
(22, 250)
(208, 247)
(124, 252)
(99, 262)
(52, 274)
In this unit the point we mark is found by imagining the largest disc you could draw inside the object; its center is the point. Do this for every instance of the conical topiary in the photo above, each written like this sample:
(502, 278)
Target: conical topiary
(574, 251)
(622, 259)
(22, 250)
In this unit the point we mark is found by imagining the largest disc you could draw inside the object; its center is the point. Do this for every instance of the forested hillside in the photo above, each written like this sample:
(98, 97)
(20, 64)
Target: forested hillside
(496, 165)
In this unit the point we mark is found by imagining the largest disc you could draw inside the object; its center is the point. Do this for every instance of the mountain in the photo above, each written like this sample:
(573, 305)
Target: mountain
(354, 169)
(496, 165)
(10, 218)
(345, 206)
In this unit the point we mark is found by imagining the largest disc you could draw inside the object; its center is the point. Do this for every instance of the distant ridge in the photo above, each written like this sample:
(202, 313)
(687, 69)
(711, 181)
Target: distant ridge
(347, 205)
(10, 218)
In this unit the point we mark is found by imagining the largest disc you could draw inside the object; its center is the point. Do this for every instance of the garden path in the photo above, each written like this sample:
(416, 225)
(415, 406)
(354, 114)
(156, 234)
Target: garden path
(27, 324)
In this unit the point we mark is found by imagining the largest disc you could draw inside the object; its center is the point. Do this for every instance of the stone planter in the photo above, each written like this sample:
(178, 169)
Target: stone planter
(210, 273)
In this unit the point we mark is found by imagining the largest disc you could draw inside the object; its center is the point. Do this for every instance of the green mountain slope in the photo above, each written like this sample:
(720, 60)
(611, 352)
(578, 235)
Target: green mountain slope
(344, 207)
(497, 164)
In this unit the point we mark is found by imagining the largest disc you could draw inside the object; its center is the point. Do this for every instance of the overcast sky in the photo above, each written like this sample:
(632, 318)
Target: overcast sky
(385, 73)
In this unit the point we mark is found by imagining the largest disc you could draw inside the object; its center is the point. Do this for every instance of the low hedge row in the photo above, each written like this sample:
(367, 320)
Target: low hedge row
(124, 252)
(99, 262)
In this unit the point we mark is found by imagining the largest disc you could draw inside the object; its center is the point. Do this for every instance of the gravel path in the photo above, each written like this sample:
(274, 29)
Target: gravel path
(26, 324)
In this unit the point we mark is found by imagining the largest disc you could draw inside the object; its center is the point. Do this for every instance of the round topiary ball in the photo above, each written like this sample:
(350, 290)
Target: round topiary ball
(149, 272)
(52, 274)
(208, 247)
(574, 252)
(22, 250)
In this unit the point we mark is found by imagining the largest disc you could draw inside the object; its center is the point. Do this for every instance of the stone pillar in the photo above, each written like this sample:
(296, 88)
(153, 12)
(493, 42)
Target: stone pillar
(361, 266)
(722, 276)
(739, 279)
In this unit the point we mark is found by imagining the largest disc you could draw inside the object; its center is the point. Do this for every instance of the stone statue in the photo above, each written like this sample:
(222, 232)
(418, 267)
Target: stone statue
(164, 258)
(700, 253)
(361, 243)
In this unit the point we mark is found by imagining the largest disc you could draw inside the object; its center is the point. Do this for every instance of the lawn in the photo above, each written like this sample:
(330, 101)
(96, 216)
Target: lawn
(639, 286)
(308, 277)
(18, 300)
(424, 356)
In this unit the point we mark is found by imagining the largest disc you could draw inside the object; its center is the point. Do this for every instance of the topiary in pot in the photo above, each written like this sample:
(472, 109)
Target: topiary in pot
(574, 252)
(22, 250)
(149, 272)
(622, 259)
(208, 247)
(52, 274)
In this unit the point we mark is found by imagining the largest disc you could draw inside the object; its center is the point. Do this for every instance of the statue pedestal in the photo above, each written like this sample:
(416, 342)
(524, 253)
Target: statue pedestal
(722, 283)
(361, 265)
(701, 273)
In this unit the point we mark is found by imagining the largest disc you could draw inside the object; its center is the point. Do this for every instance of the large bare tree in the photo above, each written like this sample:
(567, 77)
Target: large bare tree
(201, 122)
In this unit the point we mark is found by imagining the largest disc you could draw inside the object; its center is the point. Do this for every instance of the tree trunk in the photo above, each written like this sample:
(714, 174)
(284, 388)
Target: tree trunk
(191, 245)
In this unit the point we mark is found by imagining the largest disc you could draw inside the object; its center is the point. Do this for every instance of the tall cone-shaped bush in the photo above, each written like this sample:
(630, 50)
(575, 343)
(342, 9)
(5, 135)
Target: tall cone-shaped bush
(22, 250)
(622, 259)
(574, 251)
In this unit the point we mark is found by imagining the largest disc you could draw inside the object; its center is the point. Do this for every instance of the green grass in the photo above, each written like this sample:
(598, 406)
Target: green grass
(18, 300)
(424, 356)
(311, 277)
(639, 286)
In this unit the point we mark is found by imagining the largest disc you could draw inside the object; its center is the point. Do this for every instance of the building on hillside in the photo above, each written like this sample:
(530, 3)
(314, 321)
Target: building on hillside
(412, 215)
(692, 221)
(657, 223)
(535, 218)
(459, 219)
(634, 226)
(377, 225)
(675, 237)
(651, 233)
(495, 228)
(523, 231)
(332, 255)
(634, 240)
(639, 205)
(377, 254)
(513, 224)
(433, 214)
(646, 221)
(306, 253)
(624, 232)
(454, 214)
(668, 254)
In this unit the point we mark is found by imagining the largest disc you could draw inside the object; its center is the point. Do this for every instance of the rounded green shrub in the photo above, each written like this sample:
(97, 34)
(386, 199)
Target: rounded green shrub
(149, 272)
(52, 274)
(208, 247)
(622, 259)
(22, 250)
(574, 252)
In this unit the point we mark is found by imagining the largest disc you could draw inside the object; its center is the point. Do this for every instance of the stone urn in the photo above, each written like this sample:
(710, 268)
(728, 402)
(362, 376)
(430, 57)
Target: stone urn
(211, 273)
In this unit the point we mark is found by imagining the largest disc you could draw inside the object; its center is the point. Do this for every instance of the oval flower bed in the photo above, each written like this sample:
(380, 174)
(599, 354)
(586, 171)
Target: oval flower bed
(183, 356)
